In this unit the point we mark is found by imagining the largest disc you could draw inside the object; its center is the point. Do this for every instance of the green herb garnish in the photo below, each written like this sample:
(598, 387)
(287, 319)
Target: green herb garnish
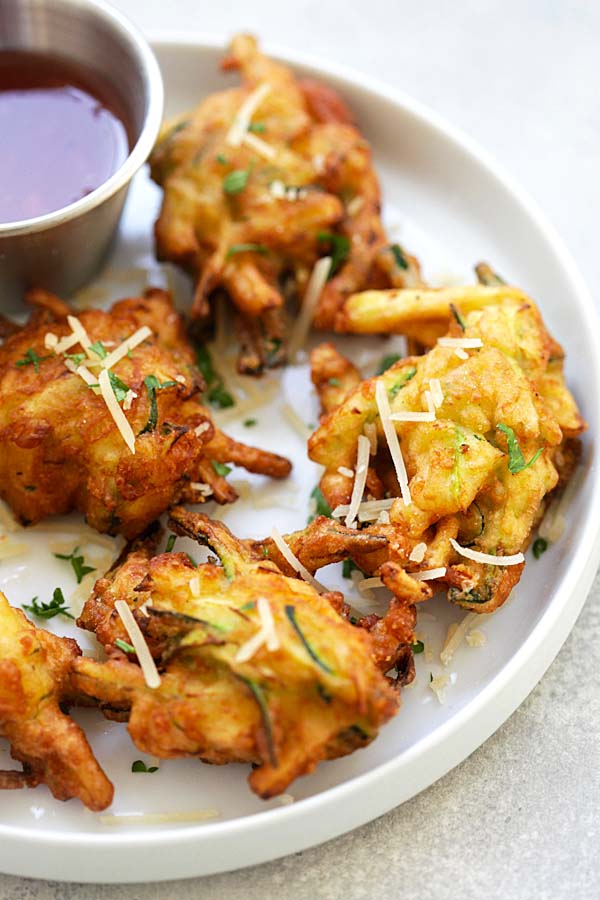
(152, 386)
(290, 612)
(120, 389)
(334, 382)
(540, 545)
(170, 543)
(322, 507)
(236, 181)
(124, 646)
(257, 127)
(99, 349)
(457, 316)
(57, 606)
(77, 562)
(406, 377)
(260, 698)
(418, 647)
(399, 257)
(140, 766)
(31, 359)
(387, 362)
(77, 358)
(217, 395)
(250, 423)
(516, 460)
(339, 249)
(220, 468)
(246, 248)
(222, 159)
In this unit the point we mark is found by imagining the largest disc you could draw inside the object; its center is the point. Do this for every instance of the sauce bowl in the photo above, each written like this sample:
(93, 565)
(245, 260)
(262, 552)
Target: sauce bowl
(61, 250)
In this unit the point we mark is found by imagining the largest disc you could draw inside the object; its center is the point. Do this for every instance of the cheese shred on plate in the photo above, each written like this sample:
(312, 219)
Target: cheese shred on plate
(360, 478)
(383, 405)
(115, 410)
(455, 635)
(487, 558)
(239, 127)
(147, 665)
(316, 283)
(294, 561)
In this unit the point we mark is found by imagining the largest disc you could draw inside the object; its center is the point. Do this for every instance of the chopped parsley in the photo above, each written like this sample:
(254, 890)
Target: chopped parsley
(257, 127)
(457, 316)
(516, 460)
(246, 248)
(217, 395)
(540, 545)
(399, 257)
(124, 646)
(250, 423)
(236, 181)
(406, 377)
(31, 359)
(334, 382)
(220, 468)
(77, 562)
(221, 159)
(120, 389)
(322, 507)
(140, 766)
(418, 647)
(170, 543)
(57, 606)
(77, 358)
(152, 386)
(99, 349)
(387, 362)
(339, 248)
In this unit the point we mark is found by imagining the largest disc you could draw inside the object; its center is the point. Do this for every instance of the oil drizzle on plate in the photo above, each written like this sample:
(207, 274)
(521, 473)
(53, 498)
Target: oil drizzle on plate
(63, 134)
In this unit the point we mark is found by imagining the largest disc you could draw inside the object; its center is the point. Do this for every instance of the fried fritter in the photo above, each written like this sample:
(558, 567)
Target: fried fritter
(256, 666)
(60, 448)
(250, 212)
(35, 682)
(486, 452)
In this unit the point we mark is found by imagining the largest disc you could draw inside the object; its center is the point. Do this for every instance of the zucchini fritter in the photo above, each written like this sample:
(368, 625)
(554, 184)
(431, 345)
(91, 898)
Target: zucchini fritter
(256, 666)
(35, 681)
(60, 448)
(483, 458)
(253, 211)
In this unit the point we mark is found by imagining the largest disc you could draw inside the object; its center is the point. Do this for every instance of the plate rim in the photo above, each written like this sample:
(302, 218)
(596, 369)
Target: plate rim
(294, 827)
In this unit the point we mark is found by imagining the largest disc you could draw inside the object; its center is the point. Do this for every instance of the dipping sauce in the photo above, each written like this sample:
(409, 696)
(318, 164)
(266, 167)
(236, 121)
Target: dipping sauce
(62, 134)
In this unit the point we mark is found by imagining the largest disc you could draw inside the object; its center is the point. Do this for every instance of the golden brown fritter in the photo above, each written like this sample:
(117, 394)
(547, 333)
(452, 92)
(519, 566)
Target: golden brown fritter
(60, 448)
(256, 666)
(252, 213)
(35, 682)
(480, 469)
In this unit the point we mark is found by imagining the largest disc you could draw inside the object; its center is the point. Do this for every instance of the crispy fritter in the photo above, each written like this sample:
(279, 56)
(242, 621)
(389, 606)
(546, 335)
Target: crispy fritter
(60, 448)
(479, 472)
(35, 670)
(252, 217)
(233, 688)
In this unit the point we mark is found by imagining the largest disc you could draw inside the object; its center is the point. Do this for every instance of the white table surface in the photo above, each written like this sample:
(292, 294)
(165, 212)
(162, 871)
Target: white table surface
(521, 817)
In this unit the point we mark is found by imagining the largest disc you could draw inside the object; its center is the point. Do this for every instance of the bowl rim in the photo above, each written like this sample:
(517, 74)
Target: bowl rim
(138, 154)
(273, 833)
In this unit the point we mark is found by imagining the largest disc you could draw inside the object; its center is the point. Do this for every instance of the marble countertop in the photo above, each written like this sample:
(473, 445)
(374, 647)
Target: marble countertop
(519, 818)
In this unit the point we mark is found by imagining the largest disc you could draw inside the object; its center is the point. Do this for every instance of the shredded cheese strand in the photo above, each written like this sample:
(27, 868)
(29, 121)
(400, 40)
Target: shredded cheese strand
(268, 624)
(455, 636)
(418, 552)
(128, 344)
(360, 478)
(239, 126)
(487, 558)
(159, 818)
(316, 283)
(383, 405)
(115, 410)
(294, 562)
(428, 574)
(261, 147)
(147, 664)
(435, 386)
(460, 343)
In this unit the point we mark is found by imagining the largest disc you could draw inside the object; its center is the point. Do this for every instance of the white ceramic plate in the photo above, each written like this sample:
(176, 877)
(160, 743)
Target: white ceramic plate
(448, 202)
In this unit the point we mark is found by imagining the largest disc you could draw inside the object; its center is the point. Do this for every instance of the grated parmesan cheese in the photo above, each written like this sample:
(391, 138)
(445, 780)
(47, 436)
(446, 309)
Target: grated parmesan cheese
(360, 479)
(355, 206)
(115, 410)
(260, 146)
(383, 405)
(50, 341)
(383, 518)
(487, 558)
(128, 344)
(438, 685)
(201, 488)
(277, 189)
(370, 432)
(314, 289)
(201, 428)
(130, 396)
(199, 815)
(368, 584)
(80, 332)
(418, 552)
(294, 561)
(239, 127)
(476, 638)
(346, 472)
(428, 574)
(368, 510)
(462, 354)
(268, 624)
(136, 637)
(455, 635)
(436, 392)
(460, 343)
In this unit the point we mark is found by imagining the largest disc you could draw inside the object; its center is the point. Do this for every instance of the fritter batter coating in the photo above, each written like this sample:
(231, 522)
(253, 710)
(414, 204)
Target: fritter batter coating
(60, 447)
(35, 682)
(256, 666)
(250, 209)
(483, 456)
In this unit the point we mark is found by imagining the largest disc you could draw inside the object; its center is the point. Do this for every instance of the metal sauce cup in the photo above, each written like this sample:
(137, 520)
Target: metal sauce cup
(62, 250)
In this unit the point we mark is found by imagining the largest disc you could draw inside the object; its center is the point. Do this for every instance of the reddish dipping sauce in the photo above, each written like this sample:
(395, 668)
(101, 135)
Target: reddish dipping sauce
(62, 134)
